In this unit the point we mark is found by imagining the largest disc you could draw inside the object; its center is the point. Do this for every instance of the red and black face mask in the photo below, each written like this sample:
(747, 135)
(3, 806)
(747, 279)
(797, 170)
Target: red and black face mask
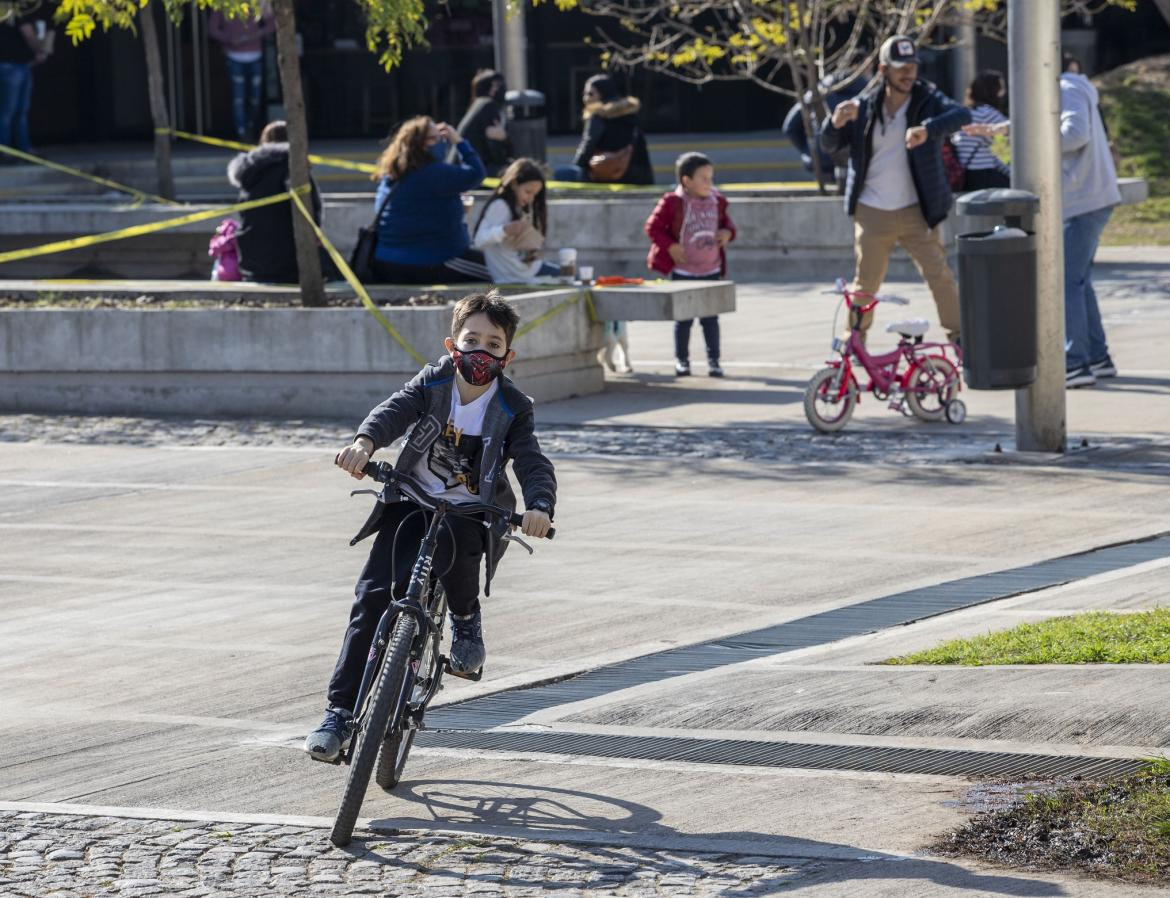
(478, 366)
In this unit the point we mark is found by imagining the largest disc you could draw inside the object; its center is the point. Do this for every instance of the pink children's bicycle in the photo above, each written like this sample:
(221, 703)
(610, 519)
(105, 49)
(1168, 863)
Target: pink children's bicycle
(919, 379)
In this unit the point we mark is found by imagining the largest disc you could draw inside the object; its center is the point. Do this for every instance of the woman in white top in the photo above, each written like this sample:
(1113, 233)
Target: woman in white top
(983, 168)
(513, 224)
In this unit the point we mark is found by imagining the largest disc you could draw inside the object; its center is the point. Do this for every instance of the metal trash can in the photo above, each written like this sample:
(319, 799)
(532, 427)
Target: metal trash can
(527, 123)
(997, 290)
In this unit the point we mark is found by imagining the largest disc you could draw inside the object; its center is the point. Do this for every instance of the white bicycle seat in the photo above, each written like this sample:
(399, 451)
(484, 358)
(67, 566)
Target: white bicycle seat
(911, 327)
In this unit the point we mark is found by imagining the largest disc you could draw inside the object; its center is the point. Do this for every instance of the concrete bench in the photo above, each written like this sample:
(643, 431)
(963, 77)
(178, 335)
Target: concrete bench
(664, 301)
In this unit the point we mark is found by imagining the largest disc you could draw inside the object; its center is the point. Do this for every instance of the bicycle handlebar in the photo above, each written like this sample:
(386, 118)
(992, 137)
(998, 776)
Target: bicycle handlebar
(384, 472)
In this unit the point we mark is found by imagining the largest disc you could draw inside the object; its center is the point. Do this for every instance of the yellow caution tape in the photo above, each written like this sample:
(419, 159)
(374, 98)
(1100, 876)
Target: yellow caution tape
(138, 230)
(139, 195)
(328, 161)
(357, 285)
(580, 295)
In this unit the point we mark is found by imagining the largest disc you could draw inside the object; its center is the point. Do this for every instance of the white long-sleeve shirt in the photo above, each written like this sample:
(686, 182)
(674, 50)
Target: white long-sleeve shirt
(506, 265)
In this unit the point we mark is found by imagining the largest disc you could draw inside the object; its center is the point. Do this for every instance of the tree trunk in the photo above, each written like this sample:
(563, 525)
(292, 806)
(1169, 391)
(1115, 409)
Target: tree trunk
(158, 107)
(308, 259)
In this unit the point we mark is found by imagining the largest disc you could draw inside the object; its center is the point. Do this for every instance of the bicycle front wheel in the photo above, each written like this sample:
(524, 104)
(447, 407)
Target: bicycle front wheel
(826, 406)
(391, 679)
(399, 740)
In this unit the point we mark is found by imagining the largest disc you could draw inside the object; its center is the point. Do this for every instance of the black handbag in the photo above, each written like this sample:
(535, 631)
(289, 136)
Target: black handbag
(361, 260)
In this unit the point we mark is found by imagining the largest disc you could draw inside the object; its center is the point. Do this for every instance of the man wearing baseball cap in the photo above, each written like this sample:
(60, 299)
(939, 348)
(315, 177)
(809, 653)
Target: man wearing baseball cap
(897, 189)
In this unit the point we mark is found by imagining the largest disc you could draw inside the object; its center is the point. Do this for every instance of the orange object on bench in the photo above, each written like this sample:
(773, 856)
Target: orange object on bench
(615, 281)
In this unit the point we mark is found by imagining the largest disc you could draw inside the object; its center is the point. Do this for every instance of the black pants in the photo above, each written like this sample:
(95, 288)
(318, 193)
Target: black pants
(984, 179)
(385, 578)
(468, 267)
(682, 329)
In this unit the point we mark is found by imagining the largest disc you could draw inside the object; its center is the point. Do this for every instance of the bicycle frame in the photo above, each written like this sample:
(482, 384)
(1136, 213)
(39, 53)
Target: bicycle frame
(886, 375)
(413, 605)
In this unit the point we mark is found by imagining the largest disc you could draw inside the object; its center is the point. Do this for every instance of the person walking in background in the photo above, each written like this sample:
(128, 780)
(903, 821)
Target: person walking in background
(1089, 192)
(897, 189)
(484, 125)
(513, 224)
(264, 242)
(834, 93)
(689, 230)
(242, 40)
(422, 233)
(982, 168)
(20, 50)
(612, 148)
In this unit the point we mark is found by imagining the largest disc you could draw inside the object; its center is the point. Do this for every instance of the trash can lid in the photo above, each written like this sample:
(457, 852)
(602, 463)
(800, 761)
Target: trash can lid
(998, 201)
(526, 97)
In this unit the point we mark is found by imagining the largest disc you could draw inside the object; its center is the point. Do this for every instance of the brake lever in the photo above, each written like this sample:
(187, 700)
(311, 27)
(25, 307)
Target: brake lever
(516, 539)
(376, 493)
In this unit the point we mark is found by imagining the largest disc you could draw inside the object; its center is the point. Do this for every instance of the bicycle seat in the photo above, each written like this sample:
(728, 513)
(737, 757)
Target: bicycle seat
(911, 327)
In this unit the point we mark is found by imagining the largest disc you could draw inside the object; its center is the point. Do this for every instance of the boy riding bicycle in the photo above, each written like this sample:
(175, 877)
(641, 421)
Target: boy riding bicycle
(464, 421)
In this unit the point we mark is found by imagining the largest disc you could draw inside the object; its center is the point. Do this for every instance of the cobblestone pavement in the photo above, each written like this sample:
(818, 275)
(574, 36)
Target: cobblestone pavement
(791, 445)
(66, 856)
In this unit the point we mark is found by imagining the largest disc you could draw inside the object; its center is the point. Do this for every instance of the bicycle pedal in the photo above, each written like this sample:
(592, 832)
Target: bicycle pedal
(474, 675)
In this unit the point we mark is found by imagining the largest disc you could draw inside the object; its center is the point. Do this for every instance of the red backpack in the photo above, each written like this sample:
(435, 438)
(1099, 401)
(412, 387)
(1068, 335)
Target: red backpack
(956, 174)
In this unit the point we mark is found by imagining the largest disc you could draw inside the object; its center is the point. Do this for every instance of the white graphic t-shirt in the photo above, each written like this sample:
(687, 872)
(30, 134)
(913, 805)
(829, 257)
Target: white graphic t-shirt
(448, 470)
(888, 182)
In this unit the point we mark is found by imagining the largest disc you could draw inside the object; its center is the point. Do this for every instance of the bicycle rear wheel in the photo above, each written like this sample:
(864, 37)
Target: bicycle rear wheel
(385, 699)
(934, 383)
(399, 739)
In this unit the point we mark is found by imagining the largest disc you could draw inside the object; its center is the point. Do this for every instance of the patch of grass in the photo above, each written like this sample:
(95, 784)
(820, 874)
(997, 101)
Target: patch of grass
(1134, 101)
(1119, 828)
(1095, 637)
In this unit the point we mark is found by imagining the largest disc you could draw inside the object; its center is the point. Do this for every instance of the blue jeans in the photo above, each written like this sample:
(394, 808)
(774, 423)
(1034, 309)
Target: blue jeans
(246, 89)
(15, 99)
(570, 173)
(1084, 334)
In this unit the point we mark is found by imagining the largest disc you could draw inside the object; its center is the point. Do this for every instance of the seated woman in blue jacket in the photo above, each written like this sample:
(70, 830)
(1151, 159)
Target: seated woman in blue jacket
(422, 235)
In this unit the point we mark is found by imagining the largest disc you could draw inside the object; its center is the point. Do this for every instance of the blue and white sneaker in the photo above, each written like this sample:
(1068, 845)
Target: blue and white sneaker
(1103, 367)
(326, 742)
(1079, 377)
(467, 649)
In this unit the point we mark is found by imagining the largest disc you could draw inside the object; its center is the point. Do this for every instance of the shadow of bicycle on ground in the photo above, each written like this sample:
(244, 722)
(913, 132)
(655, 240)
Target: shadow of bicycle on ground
(567, 839)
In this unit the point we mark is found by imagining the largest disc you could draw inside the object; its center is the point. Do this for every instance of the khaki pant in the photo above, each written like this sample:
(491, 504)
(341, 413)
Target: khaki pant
(875, 234)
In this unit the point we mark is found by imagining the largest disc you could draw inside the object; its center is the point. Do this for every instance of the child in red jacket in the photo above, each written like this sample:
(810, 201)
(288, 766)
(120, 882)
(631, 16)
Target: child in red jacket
(689, 229)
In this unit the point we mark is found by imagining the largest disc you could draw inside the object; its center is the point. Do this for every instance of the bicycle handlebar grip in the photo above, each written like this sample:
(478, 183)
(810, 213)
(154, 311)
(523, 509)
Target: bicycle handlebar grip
(375, 470)
(518, 520)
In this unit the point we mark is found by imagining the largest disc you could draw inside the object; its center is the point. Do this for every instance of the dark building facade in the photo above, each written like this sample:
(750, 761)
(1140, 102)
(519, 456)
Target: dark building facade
(97, 91)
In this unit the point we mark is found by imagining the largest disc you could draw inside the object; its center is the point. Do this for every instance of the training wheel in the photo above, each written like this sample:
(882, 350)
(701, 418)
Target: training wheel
(956, 411)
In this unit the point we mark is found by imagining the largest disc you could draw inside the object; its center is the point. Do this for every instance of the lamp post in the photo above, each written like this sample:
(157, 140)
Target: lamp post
(511, 42)
(1033, 79)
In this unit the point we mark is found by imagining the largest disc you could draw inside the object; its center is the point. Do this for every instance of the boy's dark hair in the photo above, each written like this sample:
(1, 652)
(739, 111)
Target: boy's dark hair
(484, 81)
(499, 312)
(688, 163)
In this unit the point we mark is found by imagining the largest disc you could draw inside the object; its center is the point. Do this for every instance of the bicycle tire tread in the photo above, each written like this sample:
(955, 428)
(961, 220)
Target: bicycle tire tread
(385, 699)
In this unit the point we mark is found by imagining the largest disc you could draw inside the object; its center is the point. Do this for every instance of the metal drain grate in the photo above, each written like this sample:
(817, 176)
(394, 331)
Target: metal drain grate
(868, 758)
(828, 626)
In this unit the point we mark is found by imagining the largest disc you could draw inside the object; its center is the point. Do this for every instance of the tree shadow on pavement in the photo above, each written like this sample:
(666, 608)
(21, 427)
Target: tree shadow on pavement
(585, 835)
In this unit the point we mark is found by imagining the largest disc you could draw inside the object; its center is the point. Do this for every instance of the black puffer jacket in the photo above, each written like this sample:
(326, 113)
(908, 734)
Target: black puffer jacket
(614, 126)
(265, 242)
(929, 106)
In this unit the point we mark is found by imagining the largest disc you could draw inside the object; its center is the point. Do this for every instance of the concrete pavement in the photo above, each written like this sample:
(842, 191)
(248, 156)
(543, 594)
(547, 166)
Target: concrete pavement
(172, 594)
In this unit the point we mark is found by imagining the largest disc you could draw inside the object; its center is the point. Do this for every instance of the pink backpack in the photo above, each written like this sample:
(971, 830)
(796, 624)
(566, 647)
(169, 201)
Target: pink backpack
(223, 250)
